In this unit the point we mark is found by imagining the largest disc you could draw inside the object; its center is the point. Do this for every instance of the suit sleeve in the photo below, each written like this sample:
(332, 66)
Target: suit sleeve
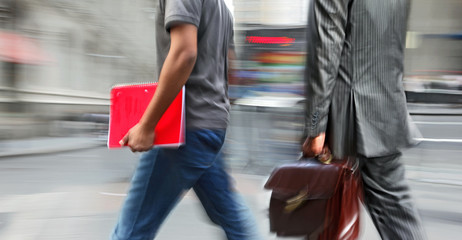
(327, 22)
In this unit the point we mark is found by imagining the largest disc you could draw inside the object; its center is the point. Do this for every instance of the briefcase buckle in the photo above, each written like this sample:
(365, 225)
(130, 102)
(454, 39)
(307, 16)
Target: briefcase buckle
(295, 202)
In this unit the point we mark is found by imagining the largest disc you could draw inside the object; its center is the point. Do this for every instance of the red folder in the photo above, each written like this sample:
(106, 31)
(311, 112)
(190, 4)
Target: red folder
(128, 103)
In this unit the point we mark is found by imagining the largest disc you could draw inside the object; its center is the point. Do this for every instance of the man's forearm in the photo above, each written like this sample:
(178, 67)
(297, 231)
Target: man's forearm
(175, 72)
(174, 75)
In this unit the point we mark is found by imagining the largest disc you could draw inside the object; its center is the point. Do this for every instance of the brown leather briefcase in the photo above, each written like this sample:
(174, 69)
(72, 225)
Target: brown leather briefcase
(309, 198)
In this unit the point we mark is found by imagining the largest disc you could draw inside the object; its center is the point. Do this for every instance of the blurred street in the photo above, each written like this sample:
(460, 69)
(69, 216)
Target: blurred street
(59, 60)
(77, 194)
(261, 139)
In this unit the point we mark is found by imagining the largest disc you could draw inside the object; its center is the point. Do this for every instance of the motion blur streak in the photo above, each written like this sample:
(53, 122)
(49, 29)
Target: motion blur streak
(59, 59)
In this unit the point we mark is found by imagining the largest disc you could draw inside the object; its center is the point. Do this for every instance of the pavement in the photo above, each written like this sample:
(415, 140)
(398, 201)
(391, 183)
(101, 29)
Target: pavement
(89, 212)
(46, 145)
(434, 109)
(49, 145)
(77, 211)
(77, 196)
(55, 217)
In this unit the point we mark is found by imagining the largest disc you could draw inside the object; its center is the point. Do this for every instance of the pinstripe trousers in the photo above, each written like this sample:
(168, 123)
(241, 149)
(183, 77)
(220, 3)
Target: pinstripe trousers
(388, 199)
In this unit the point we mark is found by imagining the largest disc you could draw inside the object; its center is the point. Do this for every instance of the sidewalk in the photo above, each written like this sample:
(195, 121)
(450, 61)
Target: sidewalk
(80, 211)
(443, 174)
(434, 109)
(44, 145)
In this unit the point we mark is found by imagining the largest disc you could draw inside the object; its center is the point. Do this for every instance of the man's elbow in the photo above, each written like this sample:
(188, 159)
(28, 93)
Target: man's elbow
(188, 57)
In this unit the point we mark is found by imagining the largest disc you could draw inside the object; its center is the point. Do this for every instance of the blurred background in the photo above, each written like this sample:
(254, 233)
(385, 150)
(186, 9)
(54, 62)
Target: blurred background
(60, 58)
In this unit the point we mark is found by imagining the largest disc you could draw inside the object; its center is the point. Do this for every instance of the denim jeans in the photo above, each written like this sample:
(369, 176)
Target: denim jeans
(164, 175)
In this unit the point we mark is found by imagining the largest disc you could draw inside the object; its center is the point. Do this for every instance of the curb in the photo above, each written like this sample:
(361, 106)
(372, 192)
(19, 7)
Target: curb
(434, 109)
(44, 151)
(440, 97)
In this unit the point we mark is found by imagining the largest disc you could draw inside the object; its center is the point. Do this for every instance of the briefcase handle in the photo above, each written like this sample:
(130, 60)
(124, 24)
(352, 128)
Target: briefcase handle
(326, 158)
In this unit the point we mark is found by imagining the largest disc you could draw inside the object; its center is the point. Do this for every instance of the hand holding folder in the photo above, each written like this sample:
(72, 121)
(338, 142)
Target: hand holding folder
(128, 103)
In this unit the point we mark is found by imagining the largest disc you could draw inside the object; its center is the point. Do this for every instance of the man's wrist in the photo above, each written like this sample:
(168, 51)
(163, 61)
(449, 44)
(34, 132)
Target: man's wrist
(148, 125)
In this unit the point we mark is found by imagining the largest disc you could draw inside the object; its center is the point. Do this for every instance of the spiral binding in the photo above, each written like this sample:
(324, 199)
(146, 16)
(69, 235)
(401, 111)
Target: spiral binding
(137, 84)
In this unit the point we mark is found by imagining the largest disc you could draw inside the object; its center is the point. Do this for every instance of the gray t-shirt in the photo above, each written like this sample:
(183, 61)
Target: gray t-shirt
(207, 104)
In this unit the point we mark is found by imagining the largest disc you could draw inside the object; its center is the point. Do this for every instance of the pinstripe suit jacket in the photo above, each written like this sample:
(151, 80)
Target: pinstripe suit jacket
(354, 76)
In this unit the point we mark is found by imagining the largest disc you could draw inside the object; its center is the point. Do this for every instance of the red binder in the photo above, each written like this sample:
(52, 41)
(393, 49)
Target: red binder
(128, 103)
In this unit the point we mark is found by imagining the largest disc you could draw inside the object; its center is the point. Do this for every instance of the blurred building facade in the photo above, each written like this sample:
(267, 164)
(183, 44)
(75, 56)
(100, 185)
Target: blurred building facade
(435, 37)
(85, 47)
(433, 56)
(271, 12)
(68, 53)
(435, 28)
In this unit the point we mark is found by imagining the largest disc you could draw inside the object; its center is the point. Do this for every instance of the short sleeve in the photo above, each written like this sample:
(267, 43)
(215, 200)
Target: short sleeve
(182, 11)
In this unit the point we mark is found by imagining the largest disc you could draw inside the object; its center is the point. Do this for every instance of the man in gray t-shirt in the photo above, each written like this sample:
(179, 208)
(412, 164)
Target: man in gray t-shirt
(193, 40)
(207, 103)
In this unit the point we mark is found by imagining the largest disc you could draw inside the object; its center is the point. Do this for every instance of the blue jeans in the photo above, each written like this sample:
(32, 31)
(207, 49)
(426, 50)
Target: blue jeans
(164, 175)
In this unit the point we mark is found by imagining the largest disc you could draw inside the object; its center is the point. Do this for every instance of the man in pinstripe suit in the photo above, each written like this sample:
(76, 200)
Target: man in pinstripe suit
(356, 103)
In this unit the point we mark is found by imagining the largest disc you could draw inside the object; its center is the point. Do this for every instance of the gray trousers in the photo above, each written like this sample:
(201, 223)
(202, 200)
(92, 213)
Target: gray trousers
(388, 199)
